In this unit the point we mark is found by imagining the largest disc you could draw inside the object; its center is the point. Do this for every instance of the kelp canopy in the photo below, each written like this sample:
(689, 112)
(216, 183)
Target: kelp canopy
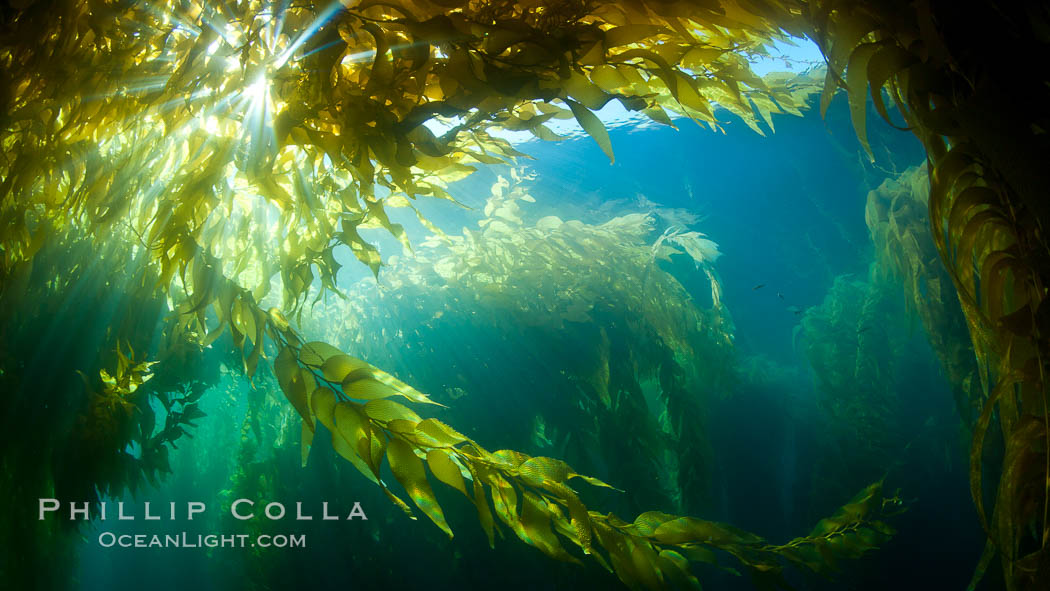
(286, 129)
(236, 145)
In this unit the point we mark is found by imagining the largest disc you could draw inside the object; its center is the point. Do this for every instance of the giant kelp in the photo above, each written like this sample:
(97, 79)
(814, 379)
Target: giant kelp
(310, 116)
(979, 115)
(896, 215)
(607, 320)
(86, 416)
(860, 346)
(159, 118)
(852, 348)
(532, 495)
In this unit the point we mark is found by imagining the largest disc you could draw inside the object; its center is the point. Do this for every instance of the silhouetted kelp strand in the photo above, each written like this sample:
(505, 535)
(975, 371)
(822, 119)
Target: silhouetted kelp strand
(986, 212)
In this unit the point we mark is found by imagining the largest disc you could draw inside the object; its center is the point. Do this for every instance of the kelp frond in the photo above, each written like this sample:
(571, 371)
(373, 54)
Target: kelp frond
(532, 495)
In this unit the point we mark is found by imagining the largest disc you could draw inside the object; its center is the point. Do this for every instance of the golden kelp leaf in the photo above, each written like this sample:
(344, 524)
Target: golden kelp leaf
(536, 528)
(409, 471)
(969, 200)
(284, 368)
(578, 516)
(701, 554)
(344, 449)
(585, 92)
(278, 320)
(440, 432)
(484, 513)
(656, 113)
(368, 389)
(539, 470)
(377, 446)
(857, 88)
(508, 457)
(396, 500)
(316, 353)
(252, 360)
(987, 555)
(410, 432)
(980, 431)
(544, 133)
(402, 388)
(505, 501)
(322, 402)
(243, 319)
(766, 108)
(849, 32)
(690, 529)
(891, 60)
(403, 426)
(446, 470)
(388, 410)
(556, 111)
(608, 78)
(647, 523)
(580, 520)
(337, 367)
(689, 96)
(615, 543)
(594, 481)
(593, 126)
(644, 561)
(627, 34)
(351, 423)
(216, 332)
(298, 393)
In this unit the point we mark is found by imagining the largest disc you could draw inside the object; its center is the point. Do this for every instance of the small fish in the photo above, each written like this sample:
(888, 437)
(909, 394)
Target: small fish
(757, 287)
(795, 310)
(780, 295)
(863, 329)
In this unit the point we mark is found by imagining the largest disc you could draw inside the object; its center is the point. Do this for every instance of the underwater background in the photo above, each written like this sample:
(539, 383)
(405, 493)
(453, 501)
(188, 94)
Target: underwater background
(801, 371)
(526, 293)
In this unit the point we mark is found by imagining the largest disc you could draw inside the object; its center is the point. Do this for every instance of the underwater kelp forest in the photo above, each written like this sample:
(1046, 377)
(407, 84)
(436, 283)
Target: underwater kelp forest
(559, 294)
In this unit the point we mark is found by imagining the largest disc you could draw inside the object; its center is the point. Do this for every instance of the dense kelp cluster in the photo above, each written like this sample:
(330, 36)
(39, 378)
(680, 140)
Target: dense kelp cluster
(611, 322)
(243, 142)
(85, 414)
(852, 349)
(896, 215)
